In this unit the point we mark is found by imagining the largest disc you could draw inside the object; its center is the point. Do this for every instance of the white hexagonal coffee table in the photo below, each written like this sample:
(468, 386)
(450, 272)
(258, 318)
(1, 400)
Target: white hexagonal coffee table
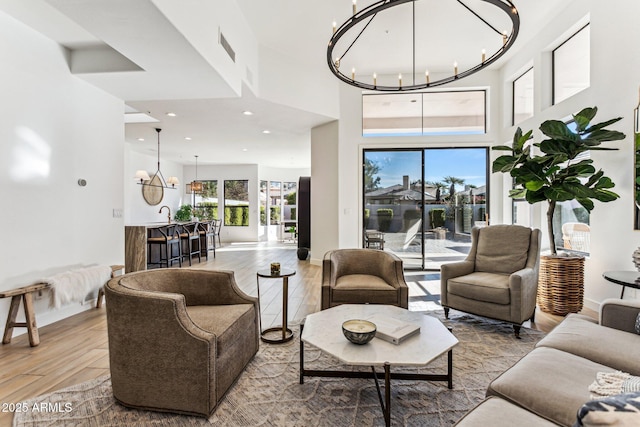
(323, 330)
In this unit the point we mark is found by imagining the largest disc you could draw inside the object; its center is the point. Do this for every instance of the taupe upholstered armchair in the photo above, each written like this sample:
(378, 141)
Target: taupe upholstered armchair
(499, 278)
(358, 276)
(178, 338)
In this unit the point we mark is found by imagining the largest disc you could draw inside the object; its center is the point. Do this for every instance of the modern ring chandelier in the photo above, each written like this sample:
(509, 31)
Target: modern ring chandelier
(357, 24)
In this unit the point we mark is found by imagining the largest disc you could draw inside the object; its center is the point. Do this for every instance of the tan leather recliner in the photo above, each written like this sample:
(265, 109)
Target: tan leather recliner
(358, 276)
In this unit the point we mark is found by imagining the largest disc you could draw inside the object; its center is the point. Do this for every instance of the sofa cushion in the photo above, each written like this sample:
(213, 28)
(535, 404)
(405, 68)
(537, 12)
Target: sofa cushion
(622, 410)
(227, 322)
(548, 382)
(487, 287)
(502, 249)
(583, 337)
(356, 288)
(496, 412)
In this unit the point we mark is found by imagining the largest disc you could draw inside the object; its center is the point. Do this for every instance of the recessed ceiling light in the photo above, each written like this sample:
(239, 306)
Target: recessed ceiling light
(140, 139)
(187, 138)
(244, 149)
(171, 114)
(266, 131)
(247, 113)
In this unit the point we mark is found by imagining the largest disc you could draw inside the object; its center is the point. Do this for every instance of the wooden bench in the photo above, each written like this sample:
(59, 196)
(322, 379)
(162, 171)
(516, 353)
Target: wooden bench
(25, 294)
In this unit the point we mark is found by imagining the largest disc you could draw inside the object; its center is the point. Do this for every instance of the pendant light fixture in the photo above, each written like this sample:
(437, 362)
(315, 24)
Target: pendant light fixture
(196, 186)
(418, 76)
(157, 180)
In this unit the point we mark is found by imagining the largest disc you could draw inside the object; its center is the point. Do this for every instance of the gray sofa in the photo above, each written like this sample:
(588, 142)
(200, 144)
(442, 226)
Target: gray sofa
(550, 384)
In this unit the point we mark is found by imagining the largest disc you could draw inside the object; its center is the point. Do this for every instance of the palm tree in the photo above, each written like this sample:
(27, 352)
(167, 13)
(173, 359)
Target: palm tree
(439, 186)
(452, 181)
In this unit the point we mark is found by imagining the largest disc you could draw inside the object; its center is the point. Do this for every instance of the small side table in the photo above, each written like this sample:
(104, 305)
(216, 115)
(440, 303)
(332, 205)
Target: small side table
(287, 334)
(624, 279)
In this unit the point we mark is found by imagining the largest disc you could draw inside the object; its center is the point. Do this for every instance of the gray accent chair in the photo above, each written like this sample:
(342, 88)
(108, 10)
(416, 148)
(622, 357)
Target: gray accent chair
(359, 276)
(178, 338)
(499, 278)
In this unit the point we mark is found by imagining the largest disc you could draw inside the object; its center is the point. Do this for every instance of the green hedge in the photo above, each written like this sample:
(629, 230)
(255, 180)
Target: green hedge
(437, 217)
(236, 216)
(263, 215)
(411, 214)
(206, 210)
(275, 214)
(384, 219)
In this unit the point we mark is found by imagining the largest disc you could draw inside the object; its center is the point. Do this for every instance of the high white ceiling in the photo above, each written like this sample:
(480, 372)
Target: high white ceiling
(178, 79)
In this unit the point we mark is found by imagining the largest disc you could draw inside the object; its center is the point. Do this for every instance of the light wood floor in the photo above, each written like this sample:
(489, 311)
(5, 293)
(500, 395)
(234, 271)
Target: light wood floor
(75, 349)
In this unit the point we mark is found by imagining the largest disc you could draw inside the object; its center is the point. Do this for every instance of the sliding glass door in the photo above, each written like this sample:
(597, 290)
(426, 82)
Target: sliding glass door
(425, 201)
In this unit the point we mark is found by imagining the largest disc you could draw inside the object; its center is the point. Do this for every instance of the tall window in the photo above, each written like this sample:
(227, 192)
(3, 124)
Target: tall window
(263, 202)
(275, 202)
(571, 65)
(206, 203)
(236, 203)
(289, 201)
(523, 97)
(428, 113)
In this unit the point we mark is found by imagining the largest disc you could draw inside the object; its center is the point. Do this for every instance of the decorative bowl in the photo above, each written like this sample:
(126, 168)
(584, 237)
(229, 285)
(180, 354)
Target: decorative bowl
(359, 331)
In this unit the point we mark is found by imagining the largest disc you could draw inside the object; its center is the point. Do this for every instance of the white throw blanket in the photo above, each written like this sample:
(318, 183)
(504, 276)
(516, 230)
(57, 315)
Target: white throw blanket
(74, 285)
(612, 383)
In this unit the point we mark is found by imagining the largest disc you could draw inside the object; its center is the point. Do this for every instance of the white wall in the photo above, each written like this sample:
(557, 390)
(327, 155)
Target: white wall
(55, 129)
(614, 90)
(325, 189)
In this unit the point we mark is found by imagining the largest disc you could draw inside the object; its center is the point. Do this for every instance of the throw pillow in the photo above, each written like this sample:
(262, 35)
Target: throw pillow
(638, 324)
(621, 410)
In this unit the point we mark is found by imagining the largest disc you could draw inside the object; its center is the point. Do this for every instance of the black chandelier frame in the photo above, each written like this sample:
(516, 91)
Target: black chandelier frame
(372, 10)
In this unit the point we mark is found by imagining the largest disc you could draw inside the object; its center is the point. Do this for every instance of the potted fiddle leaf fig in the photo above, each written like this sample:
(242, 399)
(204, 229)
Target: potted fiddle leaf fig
(557, 174)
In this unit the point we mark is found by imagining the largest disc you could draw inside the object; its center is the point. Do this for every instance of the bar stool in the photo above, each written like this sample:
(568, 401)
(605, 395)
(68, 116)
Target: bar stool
(207, 238)
(190, 239)
(166, 239)
(217, 225)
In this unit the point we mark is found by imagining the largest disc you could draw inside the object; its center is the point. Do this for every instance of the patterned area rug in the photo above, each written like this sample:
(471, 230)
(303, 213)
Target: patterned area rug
(268, 393)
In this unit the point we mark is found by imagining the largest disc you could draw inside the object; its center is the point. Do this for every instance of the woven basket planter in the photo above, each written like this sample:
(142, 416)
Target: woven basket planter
(561, 285)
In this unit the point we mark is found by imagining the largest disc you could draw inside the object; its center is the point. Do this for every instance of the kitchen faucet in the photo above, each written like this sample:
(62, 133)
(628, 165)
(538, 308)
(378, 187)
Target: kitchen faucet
(168, 214)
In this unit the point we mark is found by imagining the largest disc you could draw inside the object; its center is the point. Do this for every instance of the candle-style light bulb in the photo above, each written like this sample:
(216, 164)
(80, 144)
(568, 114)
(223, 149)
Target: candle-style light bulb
(337, 62)
(335, 26)
(484, 55)
(353, 74)
(455, 68)
(504, 38)
(426, 76)
(354, 7)
(375, 79)
(400, 80)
